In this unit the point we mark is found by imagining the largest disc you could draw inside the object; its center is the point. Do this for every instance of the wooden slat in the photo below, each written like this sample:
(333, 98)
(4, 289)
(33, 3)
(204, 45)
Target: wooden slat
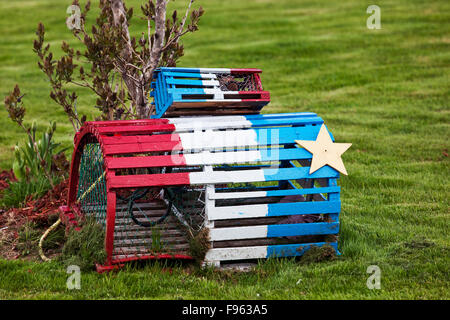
(122, 149)
(147, 242)
(180, 254)
(217, 177)
(123, 233)
(276, 209)
(141, 214)
(268, 241)
(117, 123)
(281, 230)
(188, 82)
(278, 193)
(257, 252)
(155, 138)
(205, 112)
(191, 75)
(144, 249)
(230, 157)
(141, 129)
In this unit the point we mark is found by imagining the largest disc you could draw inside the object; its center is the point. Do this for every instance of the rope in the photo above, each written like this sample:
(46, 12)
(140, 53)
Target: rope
(92, 186)
(41, 241)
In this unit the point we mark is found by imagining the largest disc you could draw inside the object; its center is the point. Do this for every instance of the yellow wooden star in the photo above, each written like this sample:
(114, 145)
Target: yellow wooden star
(325, 151)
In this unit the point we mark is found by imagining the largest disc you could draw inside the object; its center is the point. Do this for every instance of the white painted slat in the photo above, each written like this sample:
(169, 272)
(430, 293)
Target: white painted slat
(240, 176)
(241, 253)
(208, 158)
(215, 70)
(203, 124)
(218, 100)
(218, 139)
(210, 83)
(206, 75)
(217, 90)
(238, 233)
(237, 195)
(182, 74)
(244, 211)
(207, 119)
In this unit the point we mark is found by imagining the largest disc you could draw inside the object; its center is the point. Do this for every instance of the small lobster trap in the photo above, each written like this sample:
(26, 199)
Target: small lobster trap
(207, 91)
(241, 180)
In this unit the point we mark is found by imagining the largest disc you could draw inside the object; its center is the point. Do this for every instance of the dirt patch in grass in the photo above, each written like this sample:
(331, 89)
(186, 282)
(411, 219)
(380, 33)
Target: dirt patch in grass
(419, 243)
(318, 254)
(20, 228)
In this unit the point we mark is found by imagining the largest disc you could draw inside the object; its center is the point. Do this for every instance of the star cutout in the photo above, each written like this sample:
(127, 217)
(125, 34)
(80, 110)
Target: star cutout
(325, 151)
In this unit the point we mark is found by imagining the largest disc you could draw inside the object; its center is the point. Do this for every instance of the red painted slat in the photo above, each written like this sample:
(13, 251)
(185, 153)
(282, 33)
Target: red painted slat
(245, 70)
(145, 162)
(150, 180)
(110, 224)
(264, 95)
(127, 122)
(141, 139)
(141, 129)
(142, 148)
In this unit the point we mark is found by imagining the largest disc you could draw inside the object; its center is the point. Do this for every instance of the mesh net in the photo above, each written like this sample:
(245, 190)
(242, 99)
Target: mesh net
(91, 193)
(188, 205)
(237, 82)
(161, 221)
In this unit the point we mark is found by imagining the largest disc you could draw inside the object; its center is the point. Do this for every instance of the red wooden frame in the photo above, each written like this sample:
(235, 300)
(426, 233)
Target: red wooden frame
(118, 137)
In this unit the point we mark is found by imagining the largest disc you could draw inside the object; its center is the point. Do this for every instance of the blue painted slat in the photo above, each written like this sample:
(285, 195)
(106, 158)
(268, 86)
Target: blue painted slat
(285, 134)
(295, 208)
(333, 197)
(275, 154)
(184, 74)
(168, 69)
(282, 193)
(294, 250)
(293, 192)
(280, 115)
(299, 173)
(161, 101)
(180, 91)
(288, 122)
(186, 82)
(302, 229)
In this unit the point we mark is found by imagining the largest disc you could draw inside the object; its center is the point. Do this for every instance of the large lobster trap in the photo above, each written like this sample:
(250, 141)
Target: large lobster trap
(207, 91)
(154, 184)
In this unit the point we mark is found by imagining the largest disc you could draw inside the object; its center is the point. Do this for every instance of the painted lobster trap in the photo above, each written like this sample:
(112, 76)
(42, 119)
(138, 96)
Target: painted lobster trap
(242, 180)
(207, 91)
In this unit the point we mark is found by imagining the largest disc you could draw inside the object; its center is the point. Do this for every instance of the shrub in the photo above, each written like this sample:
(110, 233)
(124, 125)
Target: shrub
(28, 164)
(85, 247)
(20, 191)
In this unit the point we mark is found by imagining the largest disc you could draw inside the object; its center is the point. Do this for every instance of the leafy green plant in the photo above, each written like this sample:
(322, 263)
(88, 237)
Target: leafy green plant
(156, 244)
(85, 247)
(199, 244)
(20, 191)
(28, 164)
(36, 158)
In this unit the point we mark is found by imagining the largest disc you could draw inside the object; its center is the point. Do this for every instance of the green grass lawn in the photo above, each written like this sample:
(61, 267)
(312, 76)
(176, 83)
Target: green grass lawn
(386, 91)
